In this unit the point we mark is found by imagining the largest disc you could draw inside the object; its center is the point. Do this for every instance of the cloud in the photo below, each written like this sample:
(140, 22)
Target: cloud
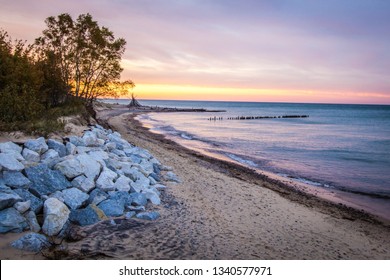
(312, 45)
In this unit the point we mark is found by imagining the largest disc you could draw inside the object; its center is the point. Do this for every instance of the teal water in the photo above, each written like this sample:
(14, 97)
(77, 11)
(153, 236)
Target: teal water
(341, 147)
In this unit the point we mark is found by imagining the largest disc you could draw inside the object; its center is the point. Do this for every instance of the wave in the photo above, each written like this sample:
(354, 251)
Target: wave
(241, 160)
(382, 195)
(306, 181)
(181, 134)
(186, 136)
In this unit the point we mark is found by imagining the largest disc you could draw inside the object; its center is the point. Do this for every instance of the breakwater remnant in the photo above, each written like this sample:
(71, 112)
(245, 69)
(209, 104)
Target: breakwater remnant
(258, 117)
(48, 186)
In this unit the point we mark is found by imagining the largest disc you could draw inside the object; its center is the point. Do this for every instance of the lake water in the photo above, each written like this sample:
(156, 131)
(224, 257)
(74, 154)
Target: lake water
(345, 148)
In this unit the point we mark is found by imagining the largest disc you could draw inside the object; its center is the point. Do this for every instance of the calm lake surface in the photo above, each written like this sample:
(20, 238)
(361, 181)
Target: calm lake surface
(338, 147)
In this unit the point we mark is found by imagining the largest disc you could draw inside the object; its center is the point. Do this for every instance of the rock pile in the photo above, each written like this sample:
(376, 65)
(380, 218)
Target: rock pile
(47, 185)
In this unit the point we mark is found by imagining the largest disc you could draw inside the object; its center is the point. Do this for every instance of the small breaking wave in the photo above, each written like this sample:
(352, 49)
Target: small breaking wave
(306, 181)
(242, 160)
(312, 183)
(186, 136)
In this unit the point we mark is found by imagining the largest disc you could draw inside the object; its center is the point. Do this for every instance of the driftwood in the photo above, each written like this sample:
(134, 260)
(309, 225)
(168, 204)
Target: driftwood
(134, 102)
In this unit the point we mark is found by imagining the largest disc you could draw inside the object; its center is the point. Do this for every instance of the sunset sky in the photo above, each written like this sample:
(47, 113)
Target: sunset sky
(333, 51)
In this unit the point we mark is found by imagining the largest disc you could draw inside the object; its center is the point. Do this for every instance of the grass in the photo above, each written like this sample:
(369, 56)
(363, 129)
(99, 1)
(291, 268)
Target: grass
(49, 122)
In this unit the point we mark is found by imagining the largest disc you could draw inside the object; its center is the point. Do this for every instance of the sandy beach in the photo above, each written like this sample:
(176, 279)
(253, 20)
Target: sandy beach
(223, 211)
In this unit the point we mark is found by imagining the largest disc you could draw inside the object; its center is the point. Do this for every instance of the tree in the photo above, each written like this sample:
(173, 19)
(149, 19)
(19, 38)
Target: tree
(88, 56)
(20, 81)
(117, 89)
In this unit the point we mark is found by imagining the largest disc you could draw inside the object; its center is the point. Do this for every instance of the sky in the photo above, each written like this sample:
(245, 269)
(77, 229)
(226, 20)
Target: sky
(331, 51)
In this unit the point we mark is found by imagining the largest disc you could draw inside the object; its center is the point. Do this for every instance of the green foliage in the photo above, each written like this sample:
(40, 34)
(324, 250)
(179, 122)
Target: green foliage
(19, 103)
(20, 81)
(50, 121)
(88, 56)
(72, 62)
(54, 90)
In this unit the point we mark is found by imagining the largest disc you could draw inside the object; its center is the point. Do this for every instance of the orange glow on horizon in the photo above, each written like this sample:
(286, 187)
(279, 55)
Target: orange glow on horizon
(188, 92)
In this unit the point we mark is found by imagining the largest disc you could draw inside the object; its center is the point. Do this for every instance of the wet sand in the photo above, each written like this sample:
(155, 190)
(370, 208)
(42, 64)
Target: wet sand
(224, 211)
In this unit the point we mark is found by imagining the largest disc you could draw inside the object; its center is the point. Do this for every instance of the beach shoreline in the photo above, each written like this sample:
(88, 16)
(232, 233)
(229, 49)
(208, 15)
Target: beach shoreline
(289, 223)
(221, 210)
(296, 191)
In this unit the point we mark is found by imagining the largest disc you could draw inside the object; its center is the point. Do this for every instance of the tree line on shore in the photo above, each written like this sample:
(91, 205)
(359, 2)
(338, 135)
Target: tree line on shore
(74, 62)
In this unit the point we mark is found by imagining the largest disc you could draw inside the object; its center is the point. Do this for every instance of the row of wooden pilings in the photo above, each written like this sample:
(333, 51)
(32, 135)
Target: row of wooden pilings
(258, 117)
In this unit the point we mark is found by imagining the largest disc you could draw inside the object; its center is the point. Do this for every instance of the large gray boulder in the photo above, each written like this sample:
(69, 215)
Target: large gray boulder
(57, 146)
(56, 214)
(138, 199)
(83, 150)
(115, 164)
(83, 183)
(9, 147)
(32, 221)
(151, 216)
(139, 152)
(30, 155)
(170, 176)
(36, 203)
(75, 140)
(112, 208)
(59, 195)
(22, 206)
(119, 153)
(74, 198)
(97, 196)
(100, 156)
(80, 164)
(133, 173)
(91, 140)
(100, 133)
(46, 181)
(122, 183)
(12, 221)
(70, 148)
(71, 168)
(130, 214)
(159, 187)
(146, 167)
(120, 143)
(9, 162)
(15, 155)
(152, 180)
(106, 180)
(109, 146)
(153, 196)
(8, 198)
(50, 156)
(87, 216)
(91, 168)
(33, 242)
(38, 145)
(155, 176)
(16, 179)
(139, 185)
(122, 198)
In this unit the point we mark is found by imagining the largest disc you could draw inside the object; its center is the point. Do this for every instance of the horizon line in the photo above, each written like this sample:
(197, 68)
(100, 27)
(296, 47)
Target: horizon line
(243, 101)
